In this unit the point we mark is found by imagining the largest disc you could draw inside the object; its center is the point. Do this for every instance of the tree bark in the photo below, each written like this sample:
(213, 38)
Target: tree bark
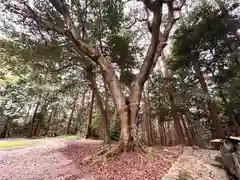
(148, 122)
(71, 115)
(186, 130)
(40, 118)
(31, 129)
(28, 114)
(49, 121)
(174, 109)
(170, 140)
(80, 113)
(164, 134)
(161, 134)
(89, 125)
(3, 133)
(100, 105)
(212, 108)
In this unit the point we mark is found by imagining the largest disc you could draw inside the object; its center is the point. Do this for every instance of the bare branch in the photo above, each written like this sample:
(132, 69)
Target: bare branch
(178, 8)
(41, 21)
(61, 7)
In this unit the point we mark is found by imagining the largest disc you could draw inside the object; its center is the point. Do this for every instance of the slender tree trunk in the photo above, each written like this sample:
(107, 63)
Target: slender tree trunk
(161, 134)
(4, 131)
(31, 129)
(170, 140)
(40, 118)
(177, 123)
(83, 109)
(71, 115)
(28, 115)
(164, 134)
(49, 121)
(9, 128)
(148, 122)
(90, 110)
(174, 109)
(80, 113)
(186, 130)
(191, 128)
(216, 127)
(99, 101)
(36, 128)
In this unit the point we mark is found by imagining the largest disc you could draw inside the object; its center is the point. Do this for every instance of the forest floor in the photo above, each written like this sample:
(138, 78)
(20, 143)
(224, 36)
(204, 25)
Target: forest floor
(61, 159)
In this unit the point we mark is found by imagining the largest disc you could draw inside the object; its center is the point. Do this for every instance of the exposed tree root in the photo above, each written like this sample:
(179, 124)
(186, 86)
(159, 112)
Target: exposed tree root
(103, 154)
(114, 150)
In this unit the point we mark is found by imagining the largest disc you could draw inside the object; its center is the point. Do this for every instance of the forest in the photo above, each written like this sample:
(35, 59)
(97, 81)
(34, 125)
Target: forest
(133, 73)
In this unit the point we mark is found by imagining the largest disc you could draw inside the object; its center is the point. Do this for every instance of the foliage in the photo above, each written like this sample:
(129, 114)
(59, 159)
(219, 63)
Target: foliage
(115, 130)
(216, 51)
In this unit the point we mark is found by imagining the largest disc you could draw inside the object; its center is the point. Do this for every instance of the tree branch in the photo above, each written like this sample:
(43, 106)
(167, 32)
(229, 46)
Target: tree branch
(178, 8)
(147, 63)
(152, 5)
(45, 23)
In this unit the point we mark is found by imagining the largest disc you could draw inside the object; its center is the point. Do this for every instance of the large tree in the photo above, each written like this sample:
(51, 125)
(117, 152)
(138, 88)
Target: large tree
(67, 20)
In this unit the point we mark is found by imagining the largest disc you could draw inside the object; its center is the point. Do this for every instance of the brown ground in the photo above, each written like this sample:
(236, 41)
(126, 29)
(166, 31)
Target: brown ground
(56, 160)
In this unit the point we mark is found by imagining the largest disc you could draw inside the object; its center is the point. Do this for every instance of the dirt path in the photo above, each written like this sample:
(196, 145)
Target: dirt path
(42, 161)
(62, 160)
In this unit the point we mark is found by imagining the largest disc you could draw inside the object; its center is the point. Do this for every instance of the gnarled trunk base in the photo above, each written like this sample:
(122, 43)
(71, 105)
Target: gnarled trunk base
(110, 151)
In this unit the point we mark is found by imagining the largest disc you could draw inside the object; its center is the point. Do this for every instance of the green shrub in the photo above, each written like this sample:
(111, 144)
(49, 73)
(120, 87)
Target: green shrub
(115, 130)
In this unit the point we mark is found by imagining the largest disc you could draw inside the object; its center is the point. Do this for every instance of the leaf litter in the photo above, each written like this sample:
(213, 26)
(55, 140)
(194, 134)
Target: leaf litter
(66, 162)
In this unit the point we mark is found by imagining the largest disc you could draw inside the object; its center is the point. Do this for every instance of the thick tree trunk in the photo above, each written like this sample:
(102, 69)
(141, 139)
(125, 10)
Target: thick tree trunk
(90, 110)
(213, 116)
